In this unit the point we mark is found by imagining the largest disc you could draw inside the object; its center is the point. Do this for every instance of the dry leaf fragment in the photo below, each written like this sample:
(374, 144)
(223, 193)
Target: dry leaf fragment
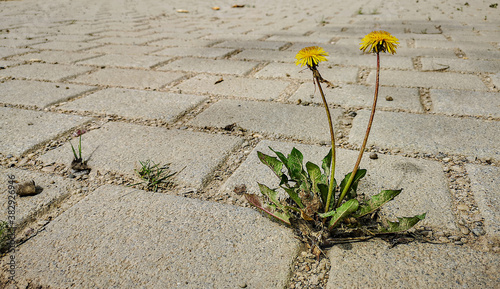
(215, 8)
(238, 6)
(182, 11)
(219, 81)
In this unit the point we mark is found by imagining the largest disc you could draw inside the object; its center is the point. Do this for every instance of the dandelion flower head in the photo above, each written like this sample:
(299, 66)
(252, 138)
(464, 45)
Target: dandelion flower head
(310, 56)
(378, 41)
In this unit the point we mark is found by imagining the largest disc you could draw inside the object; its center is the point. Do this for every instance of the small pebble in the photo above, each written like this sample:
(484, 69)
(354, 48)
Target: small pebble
(458, 243)
(462, 207)
(373, 156)
(352, 114)
(465, 230)
(389, 98)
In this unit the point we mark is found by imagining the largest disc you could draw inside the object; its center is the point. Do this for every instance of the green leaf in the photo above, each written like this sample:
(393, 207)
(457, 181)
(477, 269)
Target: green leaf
(272, 195)
(254, 200)
(376, 202)
(401, 225)
(295, 197)
(314, 174)
(273, 163)
(327, 163)
(354, 185)
(323, 192)
(295, 159)
(282, 157)
(341, 212)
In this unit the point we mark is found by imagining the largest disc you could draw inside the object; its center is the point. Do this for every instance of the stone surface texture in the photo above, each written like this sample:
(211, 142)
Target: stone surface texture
(203, 89)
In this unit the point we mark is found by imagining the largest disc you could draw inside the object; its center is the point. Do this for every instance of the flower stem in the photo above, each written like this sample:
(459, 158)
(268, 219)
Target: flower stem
(365, 140)
(318, 79)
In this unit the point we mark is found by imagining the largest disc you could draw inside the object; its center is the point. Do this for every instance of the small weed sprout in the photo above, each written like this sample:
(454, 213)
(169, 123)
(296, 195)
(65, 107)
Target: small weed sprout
(154, 176)
(78, 164)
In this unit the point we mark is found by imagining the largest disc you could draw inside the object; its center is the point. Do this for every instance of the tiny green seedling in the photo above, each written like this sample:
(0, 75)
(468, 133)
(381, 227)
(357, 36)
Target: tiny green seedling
(78, 164)
(154, 176)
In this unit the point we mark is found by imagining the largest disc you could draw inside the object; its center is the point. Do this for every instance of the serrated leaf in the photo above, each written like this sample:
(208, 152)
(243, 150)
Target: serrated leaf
(351, 193)
(401, 225)
(341, 212)
(272, 195)
(273, 163)
(376, 202)
(255, 201)
(294, 196)
(327, 163)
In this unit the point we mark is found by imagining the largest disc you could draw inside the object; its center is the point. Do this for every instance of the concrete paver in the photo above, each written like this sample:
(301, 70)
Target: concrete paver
(384, 173)
(269, 118)
(136, 61)
(52, 190)
(23, 130)
(466, 65)
(428, 79)
(234, 86)
(119, 147)
(360, 95)
(39, 94)
(146, 104)
(220, 66)
(124, 49)
(129, 78)
(65, 45)
(44, 71)
(289, 70)
(178, 242)
(466, 102)
(373, 264)
(208, 52)
(49, 56)
(428, 133)
(485, 182)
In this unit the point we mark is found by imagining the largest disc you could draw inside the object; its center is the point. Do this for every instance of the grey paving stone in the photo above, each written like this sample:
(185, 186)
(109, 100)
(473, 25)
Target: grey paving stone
(173, 42)
(52, 190)
(146, 104)
(495, 79)
(137, 61)
(129, 78)
(490, 54)
(221, 66)
(485, 181)
(207, 52)
(445, 80)
(39, 94)
(300, 38)
(289, 70)
(415, 265)
(271, 45)
(55, 57)
(370, 61)
(24, 130)
(43, 71)
(269, 118)
(124, 49)
(125, 40)
(266, 55)
(120, 237)
(10, 51)
(119, 147)
(459, 65)
(360, 95)
(234, 87)
(465, 102)
(385, 173)
(65, 45)
(429, 133)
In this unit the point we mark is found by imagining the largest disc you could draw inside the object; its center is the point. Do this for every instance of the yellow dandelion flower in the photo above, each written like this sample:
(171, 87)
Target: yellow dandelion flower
(310, 56)
(377, 41)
